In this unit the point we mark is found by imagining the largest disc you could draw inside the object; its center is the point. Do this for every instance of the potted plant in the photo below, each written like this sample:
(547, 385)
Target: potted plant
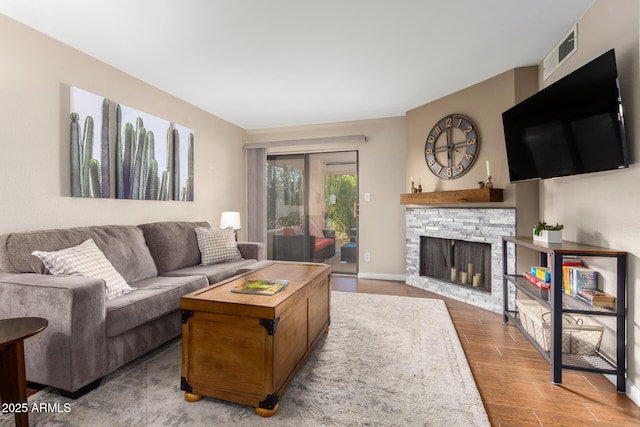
(480, 184)
(543, 232)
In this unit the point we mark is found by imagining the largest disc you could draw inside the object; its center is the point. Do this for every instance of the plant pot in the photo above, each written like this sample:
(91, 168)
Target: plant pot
(548, 236)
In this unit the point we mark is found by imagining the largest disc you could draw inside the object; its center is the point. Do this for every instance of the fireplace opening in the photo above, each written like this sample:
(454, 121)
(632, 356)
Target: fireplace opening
(461, 262)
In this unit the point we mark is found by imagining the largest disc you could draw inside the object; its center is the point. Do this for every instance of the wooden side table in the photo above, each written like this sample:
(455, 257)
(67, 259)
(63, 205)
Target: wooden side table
(13, 378)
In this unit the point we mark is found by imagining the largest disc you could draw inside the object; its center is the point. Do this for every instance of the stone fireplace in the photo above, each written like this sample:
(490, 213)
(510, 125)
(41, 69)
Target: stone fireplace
(448, 247)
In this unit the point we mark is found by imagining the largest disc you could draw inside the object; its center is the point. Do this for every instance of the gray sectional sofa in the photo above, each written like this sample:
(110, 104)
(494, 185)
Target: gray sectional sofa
(89, 336)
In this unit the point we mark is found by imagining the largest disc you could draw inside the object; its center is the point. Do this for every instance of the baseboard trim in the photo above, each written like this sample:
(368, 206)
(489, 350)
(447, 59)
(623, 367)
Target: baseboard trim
(383, 276)
(632, 393)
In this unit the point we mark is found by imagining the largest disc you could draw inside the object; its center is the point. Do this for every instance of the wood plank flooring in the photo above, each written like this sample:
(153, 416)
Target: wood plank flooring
(512, 377)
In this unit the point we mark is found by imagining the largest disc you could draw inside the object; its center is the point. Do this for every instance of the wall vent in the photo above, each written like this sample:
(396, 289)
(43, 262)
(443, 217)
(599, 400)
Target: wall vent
(560, 52)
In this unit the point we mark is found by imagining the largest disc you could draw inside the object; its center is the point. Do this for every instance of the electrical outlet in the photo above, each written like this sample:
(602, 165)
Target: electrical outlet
(367, 256)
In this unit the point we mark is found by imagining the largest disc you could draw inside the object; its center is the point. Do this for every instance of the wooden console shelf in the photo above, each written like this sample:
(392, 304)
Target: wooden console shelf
(479, 195)
(558, 303)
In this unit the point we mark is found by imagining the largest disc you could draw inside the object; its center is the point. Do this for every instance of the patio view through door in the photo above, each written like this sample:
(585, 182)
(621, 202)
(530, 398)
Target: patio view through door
(312, 209)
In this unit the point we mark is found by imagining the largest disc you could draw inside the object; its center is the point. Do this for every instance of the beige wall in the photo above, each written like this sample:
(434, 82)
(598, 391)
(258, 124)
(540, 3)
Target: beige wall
(381, 173)
(483, 103)
(35, 77)
(602, 208)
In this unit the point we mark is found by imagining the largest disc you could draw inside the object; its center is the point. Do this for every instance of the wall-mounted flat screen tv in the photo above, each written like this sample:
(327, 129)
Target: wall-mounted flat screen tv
(571, 127)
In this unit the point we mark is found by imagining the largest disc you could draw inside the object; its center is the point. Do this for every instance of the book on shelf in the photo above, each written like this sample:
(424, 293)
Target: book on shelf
(571, 261)
(541, 273)
(582, 278)
(607, 304)
(568, 261)
(566, 279)
(536, 281)
(596, 297)
(260, 287)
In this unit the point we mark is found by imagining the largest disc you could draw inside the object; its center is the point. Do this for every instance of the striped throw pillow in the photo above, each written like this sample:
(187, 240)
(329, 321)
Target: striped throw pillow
(86, 260)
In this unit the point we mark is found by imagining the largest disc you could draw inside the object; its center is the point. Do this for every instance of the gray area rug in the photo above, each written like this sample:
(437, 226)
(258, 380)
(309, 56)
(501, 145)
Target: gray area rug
(387, 361)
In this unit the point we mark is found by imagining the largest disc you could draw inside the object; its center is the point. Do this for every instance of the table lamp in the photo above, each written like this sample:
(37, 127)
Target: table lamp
(231, 219)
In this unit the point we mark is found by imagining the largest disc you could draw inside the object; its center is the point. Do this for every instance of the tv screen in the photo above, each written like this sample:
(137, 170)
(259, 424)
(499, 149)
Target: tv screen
(571, 127)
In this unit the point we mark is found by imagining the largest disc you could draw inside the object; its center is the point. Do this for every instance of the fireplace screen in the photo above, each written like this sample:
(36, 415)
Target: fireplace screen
(457, 261)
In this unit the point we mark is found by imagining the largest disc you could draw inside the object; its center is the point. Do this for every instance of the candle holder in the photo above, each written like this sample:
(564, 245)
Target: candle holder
(488, 183)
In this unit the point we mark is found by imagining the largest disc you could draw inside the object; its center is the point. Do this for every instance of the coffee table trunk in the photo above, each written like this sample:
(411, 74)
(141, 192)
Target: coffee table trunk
(247, 348)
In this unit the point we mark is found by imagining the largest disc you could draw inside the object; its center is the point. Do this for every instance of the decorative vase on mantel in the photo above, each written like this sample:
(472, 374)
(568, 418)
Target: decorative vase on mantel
(548, 236)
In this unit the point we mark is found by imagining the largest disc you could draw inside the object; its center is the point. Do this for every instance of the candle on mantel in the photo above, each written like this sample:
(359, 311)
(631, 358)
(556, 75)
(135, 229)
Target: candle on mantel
(488, 169)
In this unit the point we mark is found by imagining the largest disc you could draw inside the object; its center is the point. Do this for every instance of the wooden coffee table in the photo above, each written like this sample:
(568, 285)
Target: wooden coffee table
(247, 348)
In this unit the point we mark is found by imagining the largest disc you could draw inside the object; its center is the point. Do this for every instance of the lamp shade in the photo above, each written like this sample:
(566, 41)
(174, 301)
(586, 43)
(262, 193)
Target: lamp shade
(230, 219)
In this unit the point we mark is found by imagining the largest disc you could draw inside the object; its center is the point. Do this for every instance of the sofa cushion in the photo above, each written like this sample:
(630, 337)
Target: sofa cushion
(153, 298)
(85, 260)
(215, 272)
(288, 231)
(123, 245)
(217, 246)
(173, 245)
(323, 243)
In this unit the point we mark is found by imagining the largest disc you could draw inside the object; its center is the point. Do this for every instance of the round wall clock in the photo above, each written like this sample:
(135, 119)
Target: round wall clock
(452, 146)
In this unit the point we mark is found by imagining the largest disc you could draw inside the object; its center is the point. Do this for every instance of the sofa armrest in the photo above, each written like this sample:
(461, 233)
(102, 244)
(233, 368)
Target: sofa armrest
(252, 250)
(72, 351)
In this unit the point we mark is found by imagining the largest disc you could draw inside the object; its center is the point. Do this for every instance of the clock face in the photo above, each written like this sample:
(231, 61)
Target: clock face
(452, 146)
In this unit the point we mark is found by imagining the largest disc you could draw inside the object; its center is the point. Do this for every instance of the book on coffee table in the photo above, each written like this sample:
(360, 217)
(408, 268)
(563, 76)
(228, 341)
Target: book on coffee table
(261, 287)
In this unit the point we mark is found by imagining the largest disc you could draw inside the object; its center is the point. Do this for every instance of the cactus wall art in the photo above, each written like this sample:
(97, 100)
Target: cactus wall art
(153, 159)
(143, 155)
(89, 120)
(182, 163)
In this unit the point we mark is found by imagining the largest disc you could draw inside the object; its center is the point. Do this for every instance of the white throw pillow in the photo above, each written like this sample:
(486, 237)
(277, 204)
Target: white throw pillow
(86, 260)
(217, 246)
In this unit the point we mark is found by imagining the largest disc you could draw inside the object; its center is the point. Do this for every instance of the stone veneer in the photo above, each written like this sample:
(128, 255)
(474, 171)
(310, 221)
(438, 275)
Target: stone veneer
(471, 224)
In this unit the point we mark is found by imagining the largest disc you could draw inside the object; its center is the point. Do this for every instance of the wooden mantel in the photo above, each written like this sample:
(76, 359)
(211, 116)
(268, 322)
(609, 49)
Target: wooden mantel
(480, 195)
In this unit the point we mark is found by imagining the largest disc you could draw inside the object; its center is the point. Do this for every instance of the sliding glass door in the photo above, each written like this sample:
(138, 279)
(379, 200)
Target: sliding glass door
(312, 209)
(287, 236)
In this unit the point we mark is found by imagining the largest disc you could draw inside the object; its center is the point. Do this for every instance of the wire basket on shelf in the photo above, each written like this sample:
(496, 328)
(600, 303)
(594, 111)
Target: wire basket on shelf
(577, 338)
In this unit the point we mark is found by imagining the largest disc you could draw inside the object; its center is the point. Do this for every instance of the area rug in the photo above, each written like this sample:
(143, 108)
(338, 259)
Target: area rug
(386, 361)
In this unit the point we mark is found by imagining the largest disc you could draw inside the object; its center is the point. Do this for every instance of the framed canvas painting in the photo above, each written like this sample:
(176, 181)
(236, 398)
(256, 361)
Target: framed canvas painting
(90, 169)
(143, 155)
(183, 163)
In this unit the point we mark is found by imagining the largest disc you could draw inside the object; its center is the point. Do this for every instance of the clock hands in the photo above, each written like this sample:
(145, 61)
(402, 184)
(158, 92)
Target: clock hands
(449, 146)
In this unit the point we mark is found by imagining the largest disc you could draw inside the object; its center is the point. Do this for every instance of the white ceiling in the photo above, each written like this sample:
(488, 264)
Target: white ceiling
(272, 63)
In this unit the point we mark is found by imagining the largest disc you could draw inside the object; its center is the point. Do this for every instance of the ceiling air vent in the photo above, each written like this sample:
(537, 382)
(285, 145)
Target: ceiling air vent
(560, 53)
